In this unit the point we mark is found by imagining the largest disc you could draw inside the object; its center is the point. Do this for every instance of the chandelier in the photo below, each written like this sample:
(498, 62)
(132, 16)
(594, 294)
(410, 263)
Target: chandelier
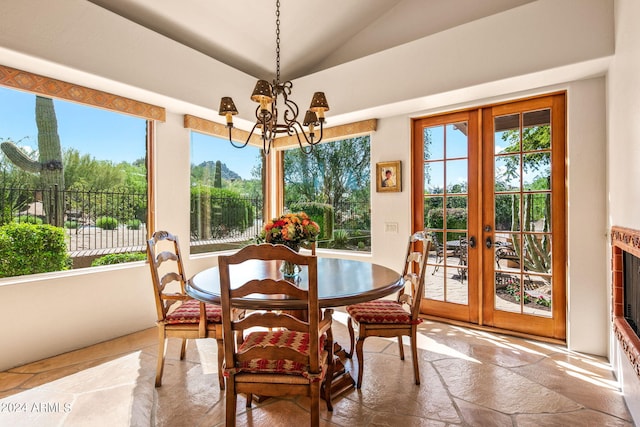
(267, 113)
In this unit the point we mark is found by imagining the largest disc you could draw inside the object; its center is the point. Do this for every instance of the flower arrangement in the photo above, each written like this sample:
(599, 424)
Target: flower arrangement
(292, 230)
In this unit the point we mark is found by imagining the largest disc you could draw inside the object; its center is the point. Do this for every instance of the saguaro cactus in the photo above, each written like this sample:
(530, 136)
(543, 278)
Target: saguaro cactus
(49, 165)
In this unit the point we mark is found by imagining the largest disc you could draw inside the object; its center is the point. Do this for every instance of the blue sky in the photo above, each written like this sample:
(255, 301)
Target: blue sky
(106, 135)
(239, 160)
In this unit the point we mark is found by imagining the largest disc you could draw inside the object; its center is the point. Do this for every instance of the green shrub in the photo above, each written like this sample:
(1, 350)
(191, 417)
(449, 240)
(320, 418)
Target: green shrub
(28, 219)
(456, 220)
(12, 198)
(340, 239)
(119, 258)
(30, 249)
(107, 223)
(134, 224)
(73, 225)
(215, 212)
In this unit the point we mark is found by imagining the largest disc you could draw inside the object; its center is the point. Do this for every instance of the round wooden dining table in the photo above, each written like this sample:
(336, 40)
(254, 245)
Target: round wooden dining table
(340, 282)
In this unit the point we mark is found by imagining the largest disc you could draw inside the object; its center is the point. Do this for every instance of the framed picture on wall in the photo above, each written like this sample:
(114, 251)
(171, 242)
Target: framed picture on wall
(388, 176)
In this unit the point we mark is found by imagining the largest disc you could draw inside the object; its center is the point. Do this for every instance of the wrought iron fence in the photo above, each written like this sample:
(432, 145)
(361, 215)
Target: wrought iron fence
(93, 220)
(115, 221)
(352, 216)
(219, 223)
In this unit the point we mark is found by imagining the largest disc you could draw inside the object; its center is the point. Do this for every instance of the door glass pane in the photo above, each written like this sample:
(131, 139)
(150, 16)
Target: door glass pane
(537, 252)
(537, 291)
(434, 177)
(457, 140)
(536, 133)
(537, 171)
(434, 288)
(433, 138)
(507, 170)
(537, 212)
(458, 202)
(507, 212)
(508, 291)
(457, 176)
(434, 211)
(507, 134)
(457, 287)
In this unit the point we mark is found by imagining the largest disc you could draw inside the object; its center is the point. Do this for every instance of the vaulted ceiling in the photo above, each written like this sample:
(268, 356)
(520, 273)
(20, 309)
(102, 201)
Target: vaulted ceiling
(315, 35)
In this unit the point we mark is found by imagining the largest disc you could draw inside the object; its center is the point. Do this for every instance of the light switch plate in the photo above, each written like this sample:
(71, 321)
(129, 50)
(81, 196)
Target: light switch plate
(390, 227)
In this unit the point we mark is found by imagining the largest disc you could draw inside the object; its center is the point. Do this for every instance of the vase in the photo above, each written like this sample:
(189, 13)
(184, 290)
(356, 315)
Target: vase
(288, 268)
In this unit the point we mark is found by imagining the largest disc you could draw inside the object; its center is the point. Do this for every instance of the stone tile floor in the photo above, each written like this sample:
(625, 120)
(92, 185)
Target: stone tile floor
(469, 378)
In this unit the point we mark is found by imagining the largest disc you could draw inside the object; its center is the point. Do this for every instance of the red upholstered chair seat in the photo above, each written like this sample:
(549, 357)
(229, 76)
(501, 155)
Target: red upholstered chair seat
(189, 312)
(298, 341)
(381, 311)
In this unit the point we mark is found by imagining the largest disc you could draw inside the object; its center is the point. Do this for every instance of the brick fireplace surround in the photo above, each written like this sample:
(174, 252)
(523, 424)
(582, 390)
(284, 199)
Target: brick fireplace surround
(624, 240)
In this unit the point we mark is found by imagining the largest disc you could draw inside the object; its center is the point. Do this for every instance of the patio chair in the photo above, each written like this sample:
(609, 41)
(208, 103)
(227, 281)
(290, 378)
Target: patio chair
(281, 354)
(442, 252)
(462, 254)
(394, 318)
(508, 253)
(179, 315)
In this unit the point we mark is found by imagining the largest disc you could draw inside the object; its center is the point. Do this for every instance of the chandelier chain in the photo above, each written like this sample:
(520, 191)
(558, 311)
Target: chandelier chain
(266, 95)
(277, 41)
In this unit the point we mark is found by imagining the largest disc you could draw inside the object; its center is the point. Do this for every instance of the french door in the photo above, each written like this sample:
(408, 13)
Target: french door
(489, 186)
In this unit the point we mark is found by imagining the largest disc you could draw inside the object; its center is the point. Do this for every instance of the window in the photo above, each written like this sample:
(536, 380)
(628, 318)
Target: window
(226, 194)
(332, 184)
(77, 168)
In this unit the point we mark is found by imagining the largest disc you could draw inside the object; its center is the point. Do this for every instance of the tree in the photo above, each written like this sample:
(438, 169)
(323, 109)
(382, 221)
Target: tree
(332, 173)
(217, 181)
(84, 171)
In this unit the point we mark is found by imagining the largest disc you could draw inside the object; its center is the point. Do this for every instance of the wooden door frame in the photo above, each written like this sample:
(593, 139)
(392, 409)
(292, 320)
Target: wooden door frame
(482, 297)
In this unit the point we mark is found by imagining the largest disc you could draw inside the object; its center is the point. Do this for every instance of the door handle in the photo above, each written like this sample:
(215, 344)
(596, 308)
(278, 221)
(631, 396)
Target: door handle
(472, 242)
(488, 243)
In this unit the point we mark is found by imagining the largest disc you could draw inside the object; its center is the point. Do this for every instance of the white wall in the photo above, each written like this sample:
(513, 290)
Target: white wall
(76, 41)
(392, 141)
(623, 187)
(588, 274)
(54, 313)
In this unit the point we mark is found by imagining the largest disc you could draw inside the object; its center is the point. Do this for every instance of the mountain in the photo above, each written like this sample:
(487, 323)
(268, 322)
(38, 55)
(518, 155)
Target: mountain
(227, 173)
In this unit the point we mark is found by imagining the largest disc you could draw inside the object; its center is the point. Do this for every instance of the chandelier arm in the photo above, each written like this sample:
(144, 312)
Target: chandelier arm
(305, 150)
(246, 142)
(312, 142)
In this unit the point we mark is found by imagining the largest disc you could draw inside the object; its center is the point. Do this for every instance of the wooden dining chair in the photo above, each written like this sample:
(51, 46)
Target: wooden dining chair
(394, 318)
(179, 315)
(281, 354)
